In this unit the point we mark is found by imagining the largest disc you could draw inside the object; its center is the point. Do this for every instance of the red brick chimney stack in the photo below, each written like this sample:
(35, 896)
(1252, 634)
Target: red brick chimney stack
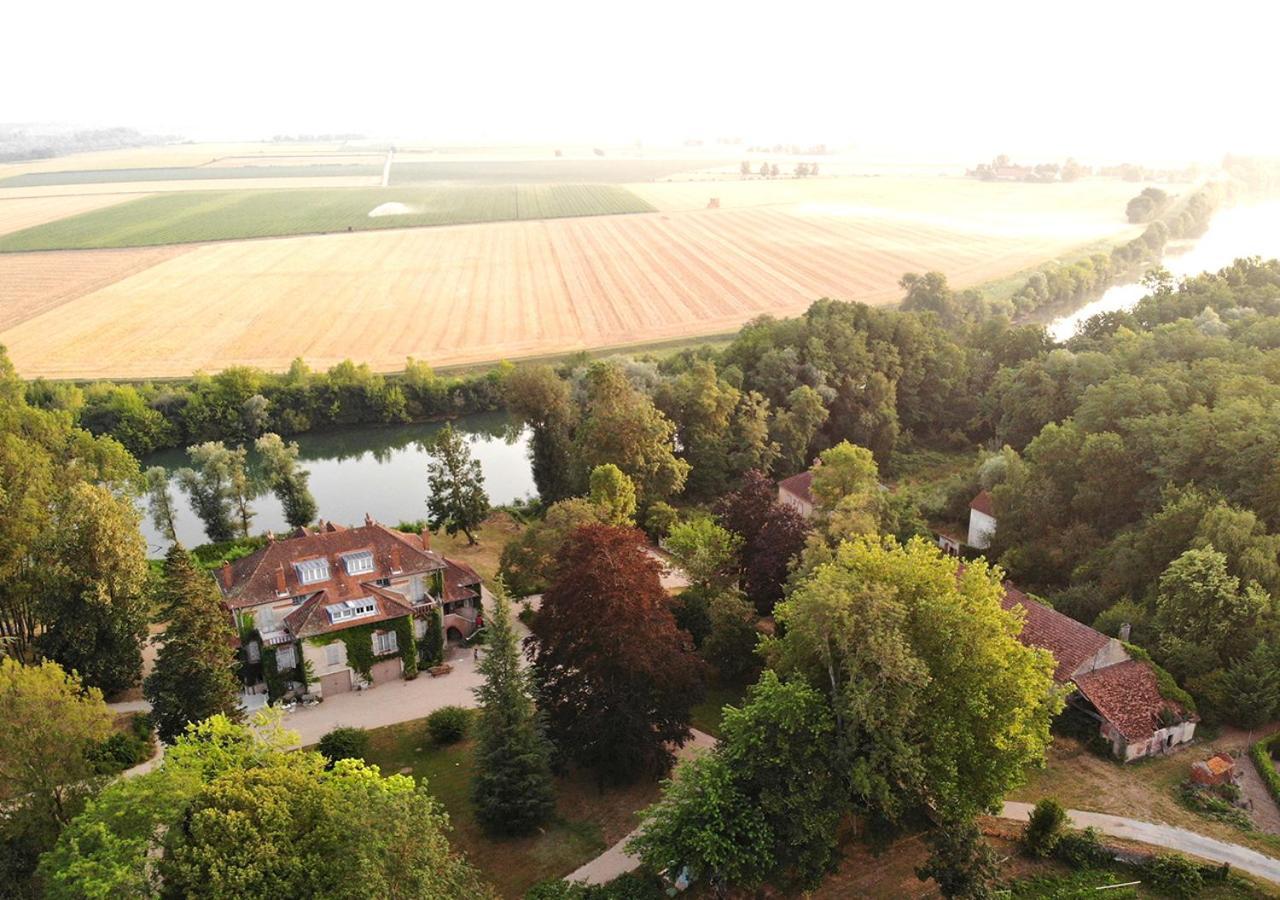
(281, 588)
(225, 572)
(426, 538)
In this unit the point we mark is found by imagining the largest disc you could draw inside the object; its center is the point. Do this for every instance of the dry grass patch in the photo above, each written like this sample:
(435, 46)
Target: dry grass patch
(1146, 790)
(493, 535)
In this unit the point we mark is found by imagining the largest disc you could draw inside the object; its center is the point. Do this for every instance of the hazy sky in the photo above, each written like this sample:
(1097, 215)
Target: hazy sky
(1117, 79)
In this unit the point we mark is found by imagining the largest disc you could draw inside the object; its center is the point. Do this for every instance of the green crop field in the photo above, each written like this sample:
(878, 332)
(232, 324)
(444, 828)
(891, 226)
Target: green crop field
(180, 218)
(188, 173)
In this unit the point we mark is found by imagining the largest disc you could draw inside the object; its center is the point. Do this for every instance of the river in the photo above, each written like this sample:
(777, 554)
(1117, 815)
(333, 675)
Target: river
(379, 470)
(1234, 232)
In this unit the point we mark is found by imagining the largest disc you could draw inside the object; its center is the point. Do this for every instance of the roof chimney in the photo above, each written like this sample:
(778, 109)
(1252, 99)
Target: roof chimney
(1125, 629)
(395, 558)
(281, 588)
(426, 538)
(368, 519)
(271, 536)
(225, 572)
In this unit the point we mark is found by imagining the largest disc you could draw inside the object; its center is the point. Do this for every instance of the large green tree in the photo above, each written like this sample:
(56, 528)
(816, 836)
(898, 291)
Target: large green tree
(937, 703)
(543, 400)
(94, 595)
(287, 481)
(51, 722)
(194, 676)
(620, 425)
(457, 500)
(230, 813)
(208, 483)
(512, 788)
(764, 804)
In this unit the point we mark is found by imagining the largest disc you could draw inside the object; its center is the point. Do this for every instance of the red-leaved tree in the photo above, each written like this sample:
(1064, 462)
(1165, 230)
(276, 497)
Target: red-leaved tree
(772, 535)
(616, 678)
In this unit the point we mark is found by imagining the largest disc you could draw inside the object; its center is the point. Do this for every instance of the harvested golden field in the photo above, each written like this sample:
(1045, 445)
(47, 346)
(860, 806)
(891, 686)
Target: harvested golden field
(465, 294)
(35, 283)
(24, 212)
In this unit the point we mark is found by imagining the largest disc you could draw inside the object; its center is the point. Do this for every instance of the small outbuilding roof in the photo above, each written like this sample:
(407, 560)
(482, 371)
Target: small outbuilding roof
(799, 486)
(984, 504)
(1128, 696)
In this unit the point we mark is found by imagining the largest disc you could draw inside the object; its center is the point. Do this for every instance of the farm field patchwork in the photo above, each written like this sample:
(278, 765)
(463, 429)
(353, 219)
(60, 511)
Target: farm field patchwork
(459, 295)
(186, 173)
(176, 218)
(25, 212)
(587, 171)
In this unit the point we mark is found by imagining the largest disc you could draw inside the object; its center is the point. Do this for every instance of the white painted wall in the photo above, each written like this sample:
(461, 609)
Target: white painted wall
(982, 528)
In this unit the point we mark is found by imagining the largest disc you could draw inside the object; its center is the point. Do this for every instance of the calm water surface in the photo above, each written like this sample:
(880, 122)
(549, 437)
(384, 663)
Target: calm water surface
(379, 470)
(1233, 233)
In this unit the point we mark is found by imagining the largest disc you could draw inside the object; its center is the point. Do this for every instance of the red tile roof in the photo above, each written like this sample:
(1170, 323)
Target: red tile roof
(257, 578)
(983, 503)
(800, 485)
(1128, 696)
(1071, 643)
(312, 617)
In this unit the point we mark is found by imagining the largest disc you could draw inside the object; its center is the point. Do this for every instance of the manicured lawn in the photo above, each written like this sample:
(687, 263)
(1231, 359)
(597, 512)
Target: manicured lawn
(587, 821)
(497, 530)
(1146, 790)
(708, 713)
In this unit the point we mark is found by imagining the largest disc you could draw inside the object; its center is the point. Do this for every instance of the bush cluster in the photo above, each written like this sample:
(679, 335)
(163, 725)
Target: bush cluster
(125, 749)
(344, 743)
(449, 724)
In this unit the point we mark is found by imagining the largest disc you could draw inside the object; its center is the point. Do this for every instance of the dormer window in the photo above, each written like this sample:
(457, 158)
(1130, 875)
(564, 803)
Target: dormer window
(352, 609)
(359, 562)
(312, 571)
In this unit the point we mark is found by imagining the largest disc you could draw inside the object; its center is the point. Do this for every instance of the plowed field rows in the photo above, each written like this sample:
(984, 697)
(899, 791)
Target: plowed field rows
(463, 294)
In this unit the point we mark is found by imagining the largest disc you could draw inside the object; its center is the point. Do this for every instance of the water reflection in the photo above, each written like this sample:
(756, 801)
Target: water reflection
(377, 470)
(1233, 233)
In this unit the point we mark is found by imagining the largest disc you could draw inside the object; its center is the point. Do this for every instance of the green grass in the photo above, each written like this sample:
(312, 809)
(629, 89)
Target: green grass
(188, 173)
(587, 820)
(176, 218)
(708, 714)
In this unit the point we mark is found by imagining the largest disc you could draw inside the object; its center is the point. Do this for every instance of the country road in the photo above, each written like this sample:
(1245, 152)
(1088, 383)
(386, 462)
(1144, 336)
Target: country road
(1167, 836)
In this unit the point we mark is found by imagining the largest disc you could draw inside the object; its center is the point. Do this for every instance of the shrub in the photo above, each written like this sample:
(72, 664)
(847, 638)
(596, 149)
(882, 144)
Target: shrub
(123, 750)
(1175, 875)
(448, 725)
(1262, 758)
(1044, 828)
(1082, 849)
(628, 886)
(344, 743)
(1214, 804)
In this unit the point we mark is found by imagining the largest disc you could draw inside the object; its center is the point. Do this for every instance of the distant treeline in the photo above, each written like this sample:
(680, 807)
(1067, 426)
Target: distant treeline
(17, 144)
(241, 403)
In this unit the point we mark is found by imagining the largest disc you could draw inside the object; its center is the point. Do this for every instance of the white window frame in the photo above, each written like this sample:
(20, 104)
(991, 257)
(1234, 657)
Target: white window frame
(312, 571)
(352, 609)
(358, 563)
(388, 641)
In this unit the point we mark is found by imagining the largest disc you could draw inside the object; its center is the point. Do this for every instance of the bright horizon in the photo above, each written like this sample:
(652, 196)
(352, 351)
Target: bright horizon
(1103, 82)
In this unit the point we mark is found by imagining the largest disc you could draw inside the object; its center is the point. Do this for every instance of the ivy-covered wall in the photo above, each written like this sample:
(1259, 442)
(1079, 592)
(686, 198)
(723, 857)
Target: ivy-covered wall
(359, 642)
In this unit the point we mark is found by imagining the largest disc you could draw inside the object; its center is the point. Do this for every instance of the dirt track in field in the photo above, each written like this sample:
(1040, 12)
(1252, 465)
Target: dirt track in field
(476, 293)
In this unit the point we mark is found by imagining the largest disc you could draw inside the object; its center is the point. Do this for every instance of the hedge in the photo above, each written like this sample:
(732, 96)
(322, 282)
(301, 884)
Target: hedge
(1261, 753)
